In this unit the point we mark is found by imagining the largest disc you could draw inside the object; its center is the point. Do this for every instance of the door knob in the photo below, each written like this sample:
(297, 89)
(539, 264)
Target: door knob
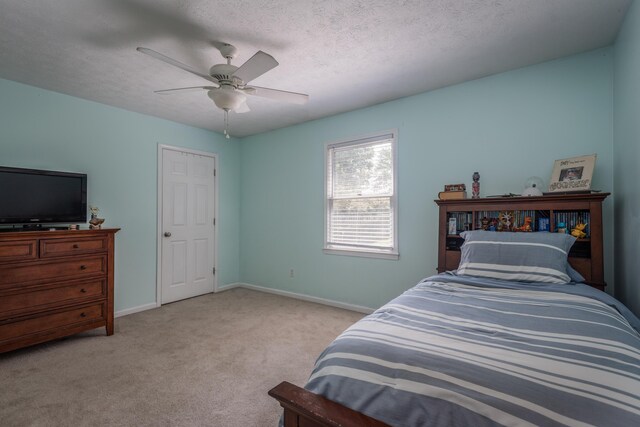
(167, 234)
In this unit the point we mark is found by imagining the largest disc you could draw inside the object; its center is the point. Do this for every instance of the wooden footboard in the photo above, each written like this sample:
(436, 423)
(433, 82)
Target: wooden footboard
(303, 408)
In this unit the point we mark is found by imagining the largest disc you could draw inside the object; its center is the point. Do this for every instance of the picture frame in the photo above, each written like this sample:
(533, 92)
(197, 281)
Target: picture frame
(453, 226)
(572, 175)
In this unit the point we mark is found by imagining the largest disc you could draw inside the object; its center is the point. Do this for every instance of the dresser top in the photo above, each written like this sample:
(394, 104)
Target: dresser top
(46, 233)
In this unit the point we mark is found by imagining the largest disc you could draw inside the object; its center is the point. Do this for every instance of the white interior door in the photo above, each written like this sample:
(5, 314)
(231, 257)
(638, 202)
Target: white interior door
(188, 230)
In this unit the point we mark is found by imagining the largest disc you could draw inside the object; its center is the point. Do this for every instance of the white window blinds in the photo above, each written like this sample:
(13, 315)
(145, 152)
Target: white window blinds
(361, 202)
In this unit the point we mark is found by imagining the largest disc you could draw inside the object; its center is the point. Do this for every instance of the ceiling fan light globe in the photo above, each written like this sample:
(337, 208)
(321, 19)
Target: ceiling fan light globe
(227, 98)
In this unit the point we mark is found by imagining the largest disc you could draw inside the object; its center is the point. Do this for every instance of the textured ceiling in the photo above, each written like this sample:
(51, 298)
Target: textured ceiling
(346, 54)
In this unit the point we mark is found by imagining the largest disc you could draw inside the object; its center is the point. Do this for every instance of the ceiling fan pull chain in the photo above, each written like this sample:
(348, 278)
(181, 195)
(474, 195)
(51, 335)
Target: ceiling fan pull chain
(226, 123)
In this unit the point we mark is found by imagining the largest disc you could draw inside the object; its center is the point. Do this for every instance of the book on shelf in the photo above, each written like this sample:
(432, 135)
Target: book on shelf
(452, 195)
(455, 187)
(459, 222)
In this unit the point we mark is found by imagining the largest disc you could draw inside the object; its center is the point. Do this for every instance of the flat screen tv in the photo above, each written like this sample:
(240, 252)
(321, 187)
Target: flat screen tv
(31, 196)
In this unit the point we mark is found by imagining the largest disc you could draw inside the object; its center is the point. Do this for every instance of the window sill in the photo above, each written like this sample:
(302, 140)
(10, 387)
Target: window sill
(362, 253)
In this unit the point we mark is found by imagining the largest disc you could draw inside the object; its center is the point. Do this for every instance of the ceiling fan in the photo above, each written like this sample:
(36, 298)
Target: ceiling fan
(228, 84)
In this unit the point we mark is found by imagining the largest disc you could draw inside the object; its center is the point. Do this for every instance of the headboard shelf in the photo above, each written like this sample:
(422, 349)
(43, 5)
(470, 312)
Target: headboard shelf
(548, 212)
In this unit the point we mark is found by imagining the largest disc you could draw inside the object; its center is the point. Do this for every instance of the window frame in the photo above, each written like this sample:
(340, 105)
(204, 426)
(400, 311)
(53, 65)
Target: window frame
(336, 249)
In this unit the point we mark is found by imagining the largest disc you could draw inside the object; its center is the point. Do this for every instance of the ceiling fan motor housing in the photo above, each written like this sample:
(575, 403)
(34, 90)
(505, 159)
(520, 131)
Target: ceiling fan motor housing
(223, 73)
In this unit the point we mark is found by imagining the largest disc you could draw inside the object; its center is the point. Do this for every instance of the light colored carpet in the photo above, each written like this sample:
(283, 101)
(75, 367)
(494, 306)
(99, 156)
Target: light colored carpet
(207, 361)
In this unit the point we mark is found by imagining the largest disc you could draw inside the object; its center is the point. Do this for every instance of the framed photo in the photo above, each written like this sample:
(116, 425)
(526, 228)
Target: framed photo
(453, 226)
(572, 174)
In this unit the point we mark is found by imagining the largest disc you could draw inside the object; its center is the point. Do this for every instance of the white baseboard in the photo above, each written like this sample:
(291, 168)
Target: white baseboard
(229, 286)
(137, 309)
(303, 297)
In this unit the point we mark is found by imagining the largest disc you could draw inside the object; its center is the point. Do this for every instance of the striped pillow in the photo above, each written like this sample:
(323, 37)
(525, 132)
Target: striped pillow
(520, 257)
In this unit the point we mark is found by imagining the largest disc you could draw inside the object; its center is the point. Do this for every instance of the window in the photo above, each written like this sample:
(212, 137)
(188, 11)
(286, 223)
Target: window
(361, 200)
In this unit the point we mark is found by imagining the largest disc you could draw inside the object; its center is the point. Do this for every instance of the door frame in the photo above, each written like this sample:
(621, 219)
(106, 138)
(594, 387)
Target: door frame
(161, 148)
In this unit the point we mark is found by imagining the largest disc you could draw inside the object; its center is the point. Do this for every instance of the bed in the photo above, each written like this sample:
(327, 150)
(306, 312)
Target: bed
(482, 346)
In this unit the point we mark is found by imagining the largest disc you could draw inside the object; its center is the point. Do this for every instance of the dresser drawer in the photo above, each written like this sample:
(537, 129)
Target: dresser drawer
(18, 250)
(51, 321)
(34, 300)
(61, 247)
(66, 269)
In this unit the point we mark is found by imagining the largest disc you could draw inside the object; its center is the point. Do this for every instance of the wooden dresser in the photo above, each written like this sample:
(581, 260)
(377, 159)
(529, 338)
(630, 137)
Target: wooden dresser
(54, 284)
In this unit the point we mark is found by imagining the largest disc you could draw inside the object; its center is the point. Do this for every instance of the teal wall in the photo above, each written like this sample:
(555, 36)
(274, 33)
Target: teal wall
(508, 127)
(627, 159)
(118, 151)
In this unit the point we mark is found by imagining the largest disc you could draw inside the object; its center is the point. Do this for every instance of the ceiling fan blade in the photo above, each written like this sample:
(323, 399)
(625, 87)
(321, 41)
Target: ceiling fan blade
(171, 61)
(242, 108)
(256, 66)
(278, 95)
(184, 89)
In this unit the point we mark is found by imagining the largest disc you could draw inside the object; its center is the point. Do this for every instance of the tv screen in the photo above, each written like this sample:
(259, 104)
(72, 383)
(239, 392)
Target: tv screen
(30, 196)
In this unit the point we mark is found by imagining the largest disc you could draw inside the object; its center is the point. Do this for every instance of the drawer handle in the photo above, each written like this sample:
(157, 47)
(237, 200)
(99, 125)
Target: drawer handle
(83, 290)
(75, 246)
(83, 267)
(83, 315)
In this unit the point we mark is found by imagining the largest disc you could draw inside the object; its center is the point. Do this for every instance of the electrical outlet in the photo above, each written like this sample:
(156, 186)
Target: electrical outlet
(291, 273)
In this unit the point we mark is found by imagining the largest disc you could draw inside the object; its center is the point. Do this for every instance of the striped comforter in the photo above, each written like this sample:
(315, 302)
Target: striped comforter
(475, 352)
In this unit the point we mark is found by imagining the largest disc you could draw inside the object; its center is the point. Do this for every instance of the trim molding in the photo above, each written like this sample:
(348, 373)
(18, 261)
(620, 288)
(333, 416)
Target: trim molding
(303, 297)
(159, 206)
(137, 309)
(229, 286)
(351, 141)
(294, 295)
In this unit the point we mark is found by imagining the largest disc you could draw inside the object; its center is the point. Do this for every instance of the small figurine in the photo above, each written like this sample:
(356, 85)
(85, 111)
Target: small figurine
(475, 187)
(562, 228)
(493, 224)
(485, 223)
(526, 226)
(95, 223)
(578, 231)
(504, 219)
